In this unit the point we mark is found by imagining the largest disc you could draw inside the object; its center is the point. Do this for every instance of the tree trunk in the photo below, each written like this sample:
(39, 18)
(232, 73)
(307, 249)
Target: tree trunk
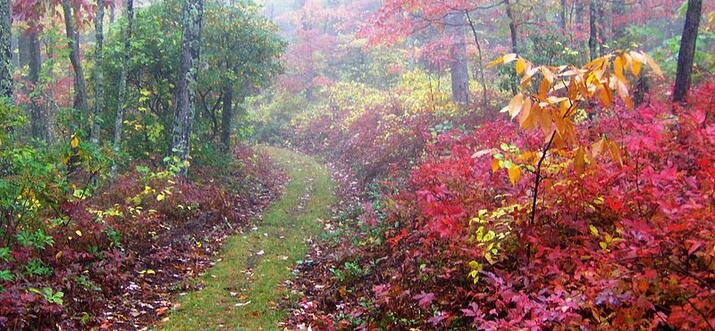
(185, 89)
(112, 11)
(618, 23)
(601, 27)
(38, 116)
(23, 48)
(514, 41)
(592, 29)
(98, 72)
(458, 58)
(485, 98)
(562, 15)
(686, 54)
(119, 118)
(5, 50)
(80, 89)
(226, 117)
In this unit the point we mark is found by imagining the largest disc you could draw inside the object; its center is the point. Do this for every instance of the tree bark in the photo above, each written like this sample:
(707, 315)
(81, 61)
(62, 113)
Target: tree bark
(514, 40)
(112, 11)
(5, 50)
(185, 89)
(23, 48)
(562, 15)
(119, 117)
(686, 54)
(592, 29)
(80, 89)
(38, 117)
(619, 10)
(458, 59)
(98, 72)
(227, 116)
(482, 80)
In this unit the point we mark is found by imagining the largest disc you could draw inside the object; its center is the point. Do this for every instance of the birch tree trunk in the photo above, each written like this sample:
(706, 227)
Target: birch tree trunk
(119, 117)
(686, 54)
(80, 89)
(98, 73)
(5, 50)
(188, 67)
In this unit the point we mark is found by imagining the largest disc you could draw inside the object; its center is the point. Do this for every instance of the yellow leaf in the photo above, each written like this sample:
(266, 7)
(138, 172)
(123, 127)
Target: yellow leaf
(79, 233)
(160, 197)
(502, 60)
(618, 65)
(74, 142)
(514, 174)
(594, 230)
(654, 66)
(526, 121)
(509, 57)
(603, 245)
(514, 105)
(636, 67)
(520, 66)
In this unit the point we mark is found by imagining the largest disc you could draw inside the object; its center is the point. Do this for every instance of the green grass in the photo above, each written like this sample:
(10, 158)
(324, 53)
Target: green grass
(287, 226)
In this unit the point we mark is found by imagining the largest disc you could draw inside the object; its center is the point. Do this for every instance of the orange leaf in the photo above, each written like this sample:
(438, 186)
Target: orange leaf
(514, 174)
(615, 153)
(579, 162)
(495, 165)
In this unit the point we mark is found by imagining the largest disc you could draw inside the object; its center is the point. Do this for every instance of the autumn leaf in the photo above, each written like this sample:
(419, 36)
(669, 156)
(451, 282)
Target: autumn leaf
(504, 59)
(520, 66)
(514, 174)
(580, 161)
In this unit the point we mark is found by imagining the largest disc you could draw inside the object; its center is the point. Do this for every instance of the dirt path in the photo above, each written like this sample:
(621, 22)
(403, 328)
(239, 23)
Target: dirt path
(242, 291)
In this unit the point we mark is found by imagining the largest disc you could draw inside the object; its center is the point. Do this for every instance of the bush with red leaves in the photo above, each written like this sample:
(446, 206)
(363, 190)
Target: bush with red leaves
(623, 245)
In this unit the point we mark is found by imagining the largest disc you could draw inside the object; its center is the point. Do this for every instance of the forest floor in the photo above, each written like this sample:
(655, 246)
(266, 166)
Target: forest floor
(243, 290)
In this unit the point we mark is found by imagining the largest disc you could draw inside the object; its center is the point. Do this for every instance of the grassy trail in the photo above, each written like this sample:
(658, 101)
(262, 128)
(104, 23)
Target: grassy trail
(241, 292)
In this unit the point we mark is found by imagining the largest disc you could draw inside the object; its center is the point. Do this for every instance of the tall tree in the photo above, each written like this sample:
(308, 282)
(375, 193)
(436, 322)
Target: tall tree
(119, 117)
(480, 59)
(98, 73)
(514, 35)
(686, 54)
(593, 30)
(192, 22)
(80, 88)
(38, 116)
(5, 50)
(458, 58)
(227, 116)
